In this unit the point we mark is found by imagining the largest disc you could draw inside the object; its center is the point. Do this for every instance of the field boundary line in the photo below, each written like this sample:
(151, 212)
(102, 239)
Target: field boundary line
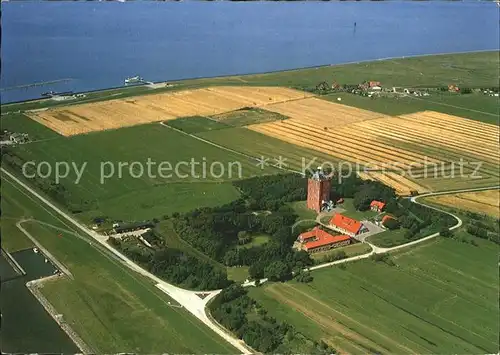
(226, 148)
(459, 107)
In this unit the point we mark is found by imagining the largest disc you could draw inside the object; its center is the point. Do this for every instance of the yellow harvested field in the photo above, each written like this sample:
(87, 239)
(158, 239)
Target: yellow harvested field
(486, 202)
(401, 184)
(113, 114)
(322, 113)
(404, 142)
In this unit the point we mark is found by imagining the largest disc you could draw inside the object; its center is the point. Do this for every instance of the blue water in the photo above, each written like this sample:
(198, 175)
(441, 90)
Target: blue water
(97, 45)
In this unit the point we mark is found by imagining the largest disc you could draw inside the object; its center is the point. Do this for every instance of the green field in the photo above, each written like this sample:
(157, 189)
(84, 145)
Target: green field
(478, 107)
(111, 308)
(389, 238)
(258, 145)
(195, 124)
(130, 195)
(440, 297)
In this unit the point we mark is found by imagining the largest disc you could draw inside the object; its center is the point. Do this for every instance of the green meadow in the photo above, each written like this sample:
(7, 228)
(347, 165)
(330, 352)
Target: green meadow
(111, 308)
(438, 298)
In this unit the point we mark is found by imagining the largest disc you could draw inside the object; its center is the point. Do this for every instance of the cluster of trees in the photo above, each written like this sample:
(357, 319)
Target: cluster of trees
(57, 192)
(235, 310)
(392, 223)
(417, 219)
(369, 191)
(483, 230)
(272, 191)
(172, 264)
(217, 231)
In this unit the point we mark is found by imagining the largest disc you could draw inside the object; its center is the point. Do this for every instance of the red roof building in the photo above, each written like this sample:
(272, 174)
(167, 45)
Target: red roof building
(345, 225)
(327, 242)
(319, 240)
(386, 217)
(373, 83)
(377, 206)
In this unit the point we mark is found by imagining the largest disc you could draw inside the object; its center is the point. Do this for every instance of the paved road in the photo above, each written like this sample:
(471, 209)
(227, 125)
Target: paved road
(186, 298)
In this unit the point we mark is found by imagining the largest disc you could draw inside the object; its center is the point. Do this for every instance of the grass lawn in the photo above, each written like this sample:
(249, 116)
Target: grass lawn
(302, 211)
(441, 297)
(389, 238)
(106, 302)
(195, 124)
(237, 273)
(248, 116)
(350, 211)
(350, 250)
(258, 239)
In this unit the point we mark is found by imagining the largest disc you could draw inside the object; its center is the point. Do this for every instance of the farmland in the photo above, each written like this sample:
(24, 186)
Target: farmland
(416, 143)
(113, 114)
(132, 195)
(441, 298)
(443, 292)
(104, 296)
(486, 202)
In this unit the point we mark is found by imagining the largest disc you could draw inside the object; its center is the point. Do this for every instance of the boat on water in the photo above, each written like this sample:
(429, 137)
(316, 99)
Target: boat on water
(134, 80)
(49, 93)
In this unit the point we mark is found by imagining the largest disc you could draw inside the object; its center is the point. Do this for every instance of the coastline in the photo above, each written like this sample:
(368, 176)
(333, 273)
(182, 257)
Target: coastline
(181, 81)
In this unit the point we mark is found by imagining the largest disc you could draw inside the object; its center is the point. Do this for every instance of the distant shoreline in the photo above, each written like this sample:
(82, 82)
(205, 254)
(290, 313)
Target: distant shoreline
(268, 72)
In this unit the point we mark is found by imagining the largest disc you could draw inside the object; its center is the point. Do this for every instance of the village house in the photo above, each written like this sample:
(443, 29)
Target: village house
(317, 240)
(377, 206)
(346, 225)
(386, 217)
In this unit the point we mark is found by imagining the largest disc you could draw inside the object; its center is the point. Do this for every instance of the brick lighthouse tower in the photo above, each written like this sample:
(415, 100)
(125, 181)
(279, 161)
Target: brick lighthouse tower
(318, 190)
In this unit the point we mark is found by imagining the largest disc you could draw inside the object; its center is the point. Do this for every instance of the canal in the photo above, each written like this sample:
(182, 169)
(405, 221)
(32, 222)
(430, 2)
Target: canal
(26, 327)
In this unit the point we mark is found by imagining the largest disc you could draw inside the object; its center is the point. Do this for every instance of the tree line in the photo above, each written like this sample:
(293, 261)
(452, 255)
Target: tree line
(171, 264)
(249, 321)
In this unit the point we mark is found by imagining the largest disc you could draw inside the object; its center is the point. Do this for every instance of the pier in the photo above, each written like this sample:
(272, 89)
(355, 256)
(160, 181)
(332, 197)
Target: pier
(42, 83)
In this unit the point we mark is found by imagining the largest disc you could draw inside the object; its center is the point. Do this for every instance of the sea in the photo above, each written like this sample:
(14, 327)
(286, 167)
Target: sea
(83, 46)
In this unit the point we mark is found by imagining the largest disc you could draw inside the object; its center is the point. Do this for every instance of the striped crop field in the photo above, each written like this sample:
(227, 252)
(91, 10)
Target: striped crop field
(113, 114)
(433, 151)
(321, 112)
(401, 184)
(487, 202)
